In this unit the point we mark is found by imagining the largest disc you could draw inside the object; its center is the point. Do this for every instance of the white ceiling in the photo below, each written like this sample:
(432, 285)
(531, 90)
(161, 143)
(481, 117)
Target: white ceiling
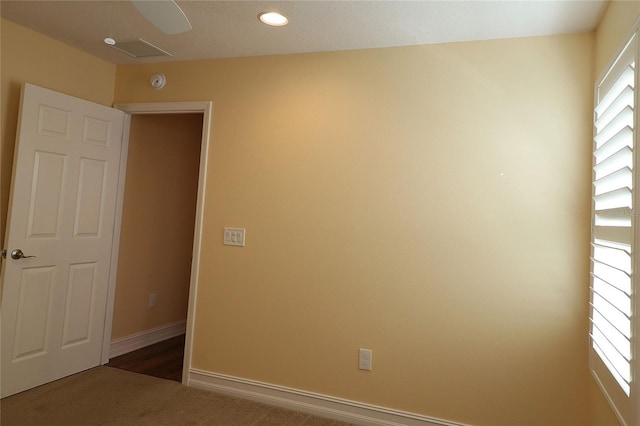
(224, 29)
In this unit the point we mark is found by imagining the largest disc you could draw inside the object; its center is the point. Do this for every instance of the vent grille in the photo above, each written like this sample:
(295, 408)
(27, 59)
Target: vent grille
(139, 49)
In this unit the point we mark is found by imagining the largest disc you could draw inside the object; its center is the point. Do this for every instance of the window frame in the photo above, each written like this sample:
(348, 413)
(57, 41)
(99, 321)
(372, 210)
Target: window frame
(625, 407)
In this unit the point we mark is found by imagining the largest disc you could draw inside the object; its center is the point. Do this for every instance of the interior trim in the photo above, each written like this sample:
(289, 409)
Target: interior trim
(308, 402)
(145, 338)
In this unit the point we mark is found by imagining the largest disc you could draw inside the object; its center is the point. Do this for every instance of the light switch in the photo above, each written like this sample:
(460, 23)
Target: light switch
(234, 237)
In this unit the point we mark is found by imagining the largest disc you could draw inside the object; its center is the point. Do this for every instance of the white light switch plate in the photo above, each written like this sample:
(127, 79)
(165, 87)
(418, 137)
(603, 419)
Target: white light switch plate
(234, 237)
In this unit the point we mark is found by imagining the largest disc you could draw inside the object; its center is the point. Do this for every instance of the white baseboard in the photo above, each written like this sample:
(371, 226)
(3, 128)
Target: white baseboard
(308, 402)
(146, 338)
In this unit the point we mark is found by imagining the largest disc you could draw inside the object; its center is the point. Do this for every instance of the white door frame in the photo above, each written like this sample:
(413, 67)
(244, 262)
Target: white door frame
(205, 108)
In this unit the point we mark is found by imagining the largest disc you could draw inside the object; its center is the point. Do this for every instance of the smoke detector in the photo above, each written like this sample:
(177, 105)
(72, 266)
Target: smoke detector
(158, 81)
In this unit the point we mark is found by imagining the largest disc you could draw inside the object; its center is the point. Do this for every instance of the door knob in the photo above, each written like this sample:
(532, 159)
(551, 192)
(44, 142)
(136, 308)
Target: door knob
(18, 254)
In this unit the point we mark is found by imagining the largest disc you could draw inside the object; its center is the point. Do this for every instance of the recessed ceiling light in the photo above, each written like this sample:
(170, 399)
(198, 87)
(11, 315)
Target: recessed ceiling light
(110, 41)
(273, 18)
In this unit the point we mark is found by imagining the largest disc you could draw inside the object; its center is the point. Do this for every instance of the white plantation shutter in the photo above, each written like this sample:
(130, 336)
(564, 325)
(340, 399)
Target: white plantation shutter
(613, 234)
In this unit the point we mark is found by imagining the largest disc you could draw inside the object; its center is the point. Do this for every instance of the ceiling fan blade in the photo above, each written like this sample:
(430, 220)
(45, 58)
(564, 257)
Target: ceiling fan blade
(166, 15)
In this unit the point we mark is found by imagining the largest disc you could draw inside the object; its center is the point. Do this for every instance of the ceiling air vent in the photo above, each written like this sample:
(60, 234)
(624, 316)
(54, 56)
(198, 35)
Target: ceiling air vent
(139, 49)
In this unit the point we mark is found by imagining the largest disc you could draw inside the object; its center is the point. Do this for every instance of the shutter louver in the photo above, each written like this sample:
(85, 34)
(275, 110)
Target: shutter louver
(612, 243)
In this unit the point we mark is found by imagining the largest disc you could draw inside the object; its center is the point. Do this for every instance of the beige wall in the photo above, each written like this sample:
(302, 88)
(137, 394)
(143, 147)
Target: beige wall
(430, 203)
(610, 37)
(361, 174)
(613, 30)
(157, 222)
(30, 57)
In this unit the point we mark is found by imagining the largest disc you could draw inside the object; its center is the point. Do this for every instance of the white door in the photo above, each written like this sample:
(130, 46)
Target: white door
(62, 212)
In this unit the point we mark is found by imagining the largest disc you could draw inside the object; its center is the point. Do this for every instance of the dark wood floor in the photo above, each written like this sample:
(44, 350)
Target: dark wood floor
(163, 359)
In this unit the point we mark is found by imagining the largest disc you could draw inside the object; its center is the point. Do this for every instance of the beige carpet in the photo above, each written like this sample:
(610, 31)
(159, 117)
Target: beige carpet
(108, 396)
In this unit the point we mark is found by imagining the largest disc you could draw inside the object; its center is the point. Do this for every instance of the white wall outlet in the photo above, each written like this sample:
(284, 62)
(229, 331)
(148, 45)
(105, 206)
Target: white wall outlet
(152, 300)
(234, 237)
(365, 359)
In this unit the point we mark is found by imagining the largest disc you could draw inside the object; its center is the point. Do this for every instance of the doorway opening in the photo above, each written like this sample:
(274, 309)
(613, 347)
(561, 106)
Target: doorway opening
(157, 239)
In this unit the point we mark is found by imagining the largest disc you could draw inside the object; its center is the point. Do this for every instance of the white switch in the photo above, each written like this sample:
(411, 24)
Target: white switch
(152, 300)
(234, 237)
(365, 361)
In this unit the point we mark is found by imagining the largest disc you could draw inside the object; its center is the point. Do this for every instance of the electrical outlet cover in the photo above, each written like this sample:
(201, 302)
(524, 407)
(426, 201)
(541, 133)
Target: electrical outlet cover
(365, 359)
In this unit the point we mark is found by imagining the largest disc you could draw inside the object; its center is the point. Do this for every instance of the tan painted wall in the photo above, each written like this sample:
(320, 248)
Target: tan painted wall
(157, 222)
(610, 36)
(27, 56)
(430, 203)
(23, 53)
(612, 31)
